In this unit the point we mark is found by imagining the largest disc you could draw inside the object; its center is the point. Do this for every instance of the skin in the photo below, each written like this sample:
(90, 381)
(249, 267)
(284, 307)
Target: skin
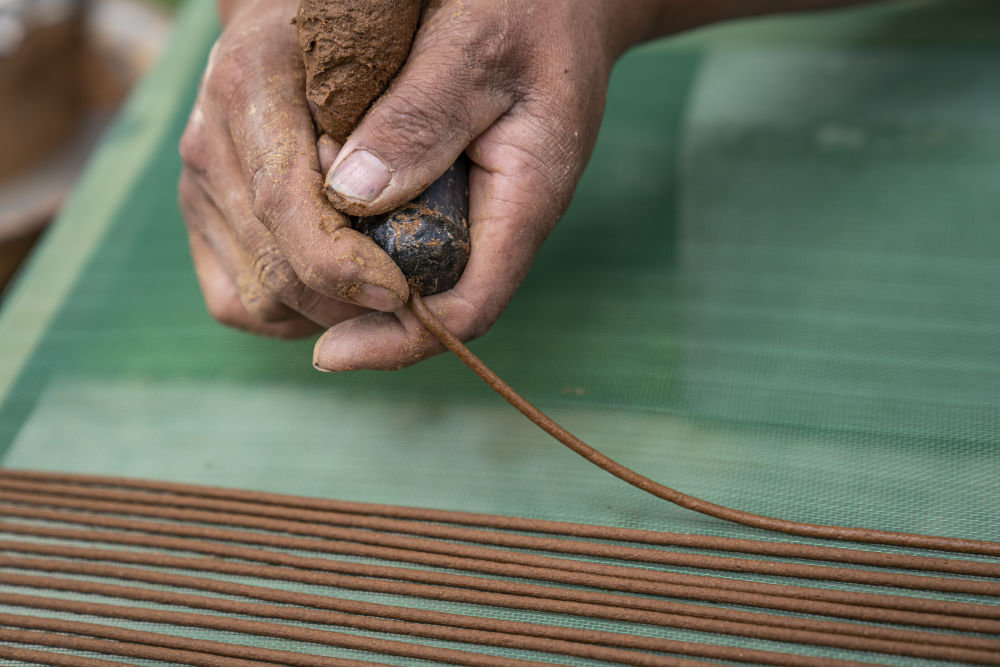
(272, 253)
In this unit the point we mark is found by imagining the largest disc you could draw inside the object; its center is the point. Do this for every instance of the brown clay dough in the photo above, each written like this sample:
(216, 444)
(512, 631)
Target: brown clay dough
(352, 50)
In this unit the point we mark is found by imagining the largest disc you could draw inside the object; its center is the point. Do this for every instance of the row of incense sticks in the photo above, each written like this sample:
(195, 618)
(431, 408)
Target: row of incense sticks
(180, 556)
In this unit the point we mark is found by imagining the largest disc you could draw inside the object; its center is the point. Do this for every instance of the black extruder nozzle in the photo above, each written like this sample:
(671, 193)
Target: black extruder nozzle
(429, 237)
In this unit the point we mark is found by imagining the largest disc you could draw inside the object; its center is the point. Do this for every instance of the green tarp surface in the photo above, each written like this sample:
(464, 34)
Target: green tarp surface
(777, 288)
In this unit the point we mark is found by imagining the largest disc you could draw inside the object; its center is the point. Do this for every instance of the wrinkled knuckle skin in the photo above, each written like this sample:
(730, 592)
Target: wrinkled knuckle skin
(499, 52)
(527, 163)
(332, 270)
(416, 116)
(231, 66)
(554, 158)
(275, 275)
(489, 48)
(267, 190)
(482, 43)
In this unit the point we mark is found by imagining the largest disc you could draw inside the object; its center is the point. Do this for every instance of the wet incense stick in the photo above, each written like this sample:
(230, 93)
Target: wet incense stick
(543, 421)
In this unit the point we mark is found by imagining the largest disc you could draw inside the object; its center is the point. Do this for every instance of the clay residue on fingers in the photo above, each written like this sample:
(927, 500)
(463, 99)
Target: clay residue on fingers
(330, 220)
(362, 262)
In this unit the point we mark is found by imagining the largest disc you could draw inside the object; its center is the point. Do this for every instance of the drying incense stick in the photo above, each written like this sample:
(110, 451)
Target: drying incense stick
(471, 590)
(968, 617)
(761, 626)
(119, 634)
(361, 642)
(392, 546)
(499, 522)
(36, 657)
(134, 650)
(513, 541)
(195, 524)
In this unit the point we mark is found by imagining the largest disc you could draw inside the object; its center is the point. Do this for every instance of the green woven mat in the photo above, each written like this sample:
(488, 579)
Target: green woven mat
(797, 312)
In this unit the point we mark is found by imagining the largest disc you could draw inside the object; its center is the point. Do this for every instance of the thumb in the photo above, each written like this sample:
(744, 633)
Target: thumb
(438, 104)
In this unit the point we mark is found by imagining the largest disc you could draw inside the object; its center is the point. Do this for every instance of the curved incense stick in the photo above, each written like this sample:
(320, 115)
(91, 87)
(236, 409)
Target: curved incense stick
(547, 424)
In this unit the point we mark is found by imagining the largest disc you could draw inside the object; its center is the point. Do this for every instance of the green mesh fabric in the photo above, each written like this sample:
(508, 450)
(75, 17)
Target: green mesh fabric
(776, 289)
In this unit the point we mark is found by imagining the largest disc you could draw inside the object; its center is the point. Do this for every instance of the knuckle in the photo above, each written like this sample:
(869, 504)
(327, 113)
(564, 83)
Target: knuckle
(418, 115)
(527, 162)
(488, 48)
(274, 274)
(238, 67)
(554, 156)
(483, 44)
(267, 186)
(226, 71)
(496, 50)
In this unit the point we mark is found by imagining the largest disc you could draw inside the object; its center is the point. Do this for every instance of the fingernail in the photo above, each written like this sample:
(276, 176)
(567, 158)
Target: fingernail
(320, 368)
(362, 177)
(322, 360)
(378, 298)
(328, 356)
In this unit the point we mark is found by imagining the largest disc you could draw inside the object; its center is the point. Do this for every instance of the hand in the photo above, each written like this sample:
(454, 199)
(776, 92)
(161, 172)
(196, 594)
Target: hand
(519, 86)
(271, 254)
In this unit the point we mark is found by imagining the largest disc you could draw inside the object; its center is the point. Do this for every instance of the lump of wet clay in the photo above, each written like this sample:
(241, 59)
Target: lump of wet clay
(352, 50)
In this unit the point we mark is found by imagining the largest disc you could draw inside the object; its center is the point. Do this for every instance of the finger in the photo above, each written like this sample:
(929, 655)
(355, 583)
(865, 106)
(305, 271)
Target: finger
(327, 150)
(508, 223)
(223, 300)
(264, 268)
(203, 219)
(273, 134)
(451, 89)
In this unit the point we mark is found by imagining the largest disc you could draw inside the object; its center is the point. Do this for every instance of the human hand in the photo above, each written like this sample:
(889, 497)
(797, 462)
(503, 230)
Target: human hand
(519, 86)
(271, 254)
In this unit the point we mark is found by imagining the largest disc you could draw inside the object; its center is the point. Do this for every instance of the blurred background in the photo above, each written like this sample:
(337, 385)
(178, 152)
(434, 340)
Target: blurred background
(65, 67)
